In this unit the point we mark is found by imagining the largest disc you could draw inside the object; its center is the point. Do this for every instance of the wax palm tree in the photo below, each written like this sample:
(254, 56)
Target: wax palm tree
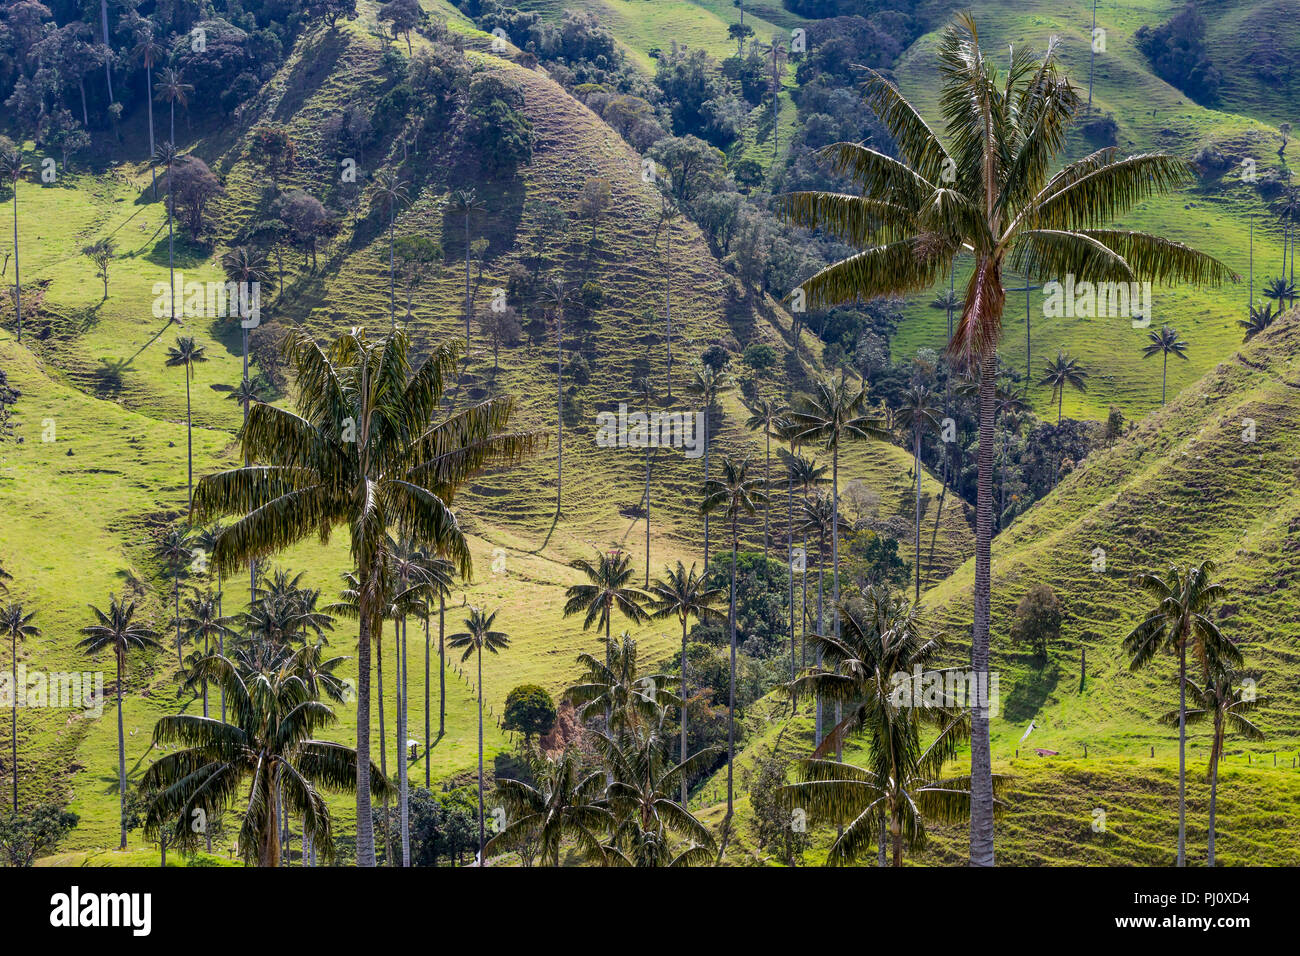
(1258, 320)
(1280, 290)
(186, 353)
(650, 824)
(387, 191)
(477, 637)
(817, 519)
(1224, 698)
(562, 805)
(147, 52)
(245, 265)
(804, 474)
(684, 594)
(707, 384)
(733, 494)
(436, 578)
(990, 192)
(172, 89)
(670, 212)
(558, 297)
(12, 169)
(1164, 343)
(270, 745)
(918, 414)
(465, 202)
(166, 154)
(117, 630)
(174, 548)
(607, 590)
(365, 451)
(1180, 622)
(763, 414)
(833, 414)
(1061, 373)
(16, 623)
(203, 621)
(618, 687)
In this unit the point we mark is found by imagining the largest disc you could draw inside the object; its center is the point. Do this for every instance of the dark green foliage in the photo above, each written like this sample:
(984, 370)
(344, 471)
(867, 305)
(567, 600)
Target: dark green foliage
(762, 608)
(497, 130)
(27, 835)
(1038, 619)
(1178, 54)
(529, 710)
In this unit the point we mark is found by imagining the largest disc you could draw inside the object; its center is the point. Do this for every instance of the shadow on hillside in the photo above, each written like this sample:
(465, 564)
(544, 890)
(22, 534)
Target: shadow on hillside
(1030, 692)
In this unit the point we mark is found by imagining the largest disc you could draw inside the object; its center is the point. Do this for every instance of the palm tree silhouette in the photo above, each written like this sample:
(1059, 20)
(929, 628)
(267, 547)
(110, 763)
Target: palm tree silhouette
(477, 637)
(683, 594)
(988, 189)
(186, 354)
(118, 631)
(1061, 373)
(733, 494)
(1179, 621)
(16, 622)
(12, 169)
(1164, 343)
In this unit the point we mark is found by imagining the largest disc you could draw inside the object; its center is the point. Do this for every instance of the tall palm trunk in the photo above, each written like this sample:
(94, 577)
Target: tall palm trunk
(171, 247)
(683, 712)
(559, 408)
(1164, 376)
(427, 738)
(789, 549)
(442, 666)
(1182, 751)
(365, 821)
(392, 306)
(647, 515)
(176, 593)
(835, 566)
(399, 639)
(981, 819)
(706, 484)
(481, 825)
(121, 757)
(153, 172)
(668, 314)
(731, 685)
(13, 708)
(1214, 779)
(18, 295)
(189, 438)
(767, 482)
(108, 68)
(916, 451)
(821, 565)
(383, 740)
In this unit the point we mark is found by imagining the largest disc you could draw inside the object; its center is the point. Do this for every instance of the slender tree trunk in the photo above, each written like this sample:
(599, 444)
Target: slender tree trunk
(668, 317)
(706, 484)
(392, 306)
(189, 438)
(442, 666)
(171, 247)
(85, 116)
(13, 709)
(18, 294)
(767, 484)
(896, 832)
(1182, 752)
(789, 541)
(1164, 377)
(559, 408)
(981, 820)
(121, 759)
(365, 821)
(821, 565)
(647, 515)
(684, 782)
(1214, 797)
(153, 170)
(383, 740)
(731, 691)
(427, 694)
(482, 840)
(916, 443)
(403, 715)
(835, 573)
(176, 593)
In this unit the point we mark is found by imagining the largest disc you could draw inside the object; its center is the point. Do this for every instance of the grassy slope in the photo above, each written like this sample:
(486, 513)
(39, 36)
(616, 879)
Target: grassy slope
(1212, 216)
(1182, 486)
(98, 372)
